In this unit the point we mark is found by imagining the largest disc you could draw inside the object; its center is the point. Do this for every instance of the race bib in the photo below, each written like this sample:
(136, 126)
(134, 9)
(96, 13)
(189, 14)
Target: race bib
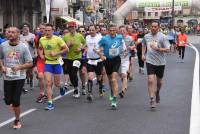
(76, 63)
(93, 62)
(113, 52)
(154, 43)
(11, 73)
(140, 40)
(60, 60)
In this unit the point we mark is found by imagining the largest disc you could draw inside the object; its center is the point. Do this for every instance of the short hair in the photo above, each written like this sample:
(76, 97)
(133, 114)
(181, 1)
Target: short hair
(155, 21)
(112, 25)
(92, 26)
(122, 26)
(49, 25)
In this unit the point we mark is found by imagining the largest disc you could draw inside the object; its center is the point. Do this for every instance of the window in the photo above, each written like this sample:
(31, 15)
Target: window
(149, 14)
(156, 13)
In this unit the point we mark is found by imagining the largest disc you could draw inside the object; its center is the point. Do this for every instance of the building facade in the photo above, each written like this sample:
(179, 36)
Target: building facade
(16, 12)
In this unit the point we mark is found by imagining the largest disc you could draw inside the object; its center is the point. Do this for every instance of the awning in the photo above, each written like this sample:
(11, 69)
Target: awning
(68, 19)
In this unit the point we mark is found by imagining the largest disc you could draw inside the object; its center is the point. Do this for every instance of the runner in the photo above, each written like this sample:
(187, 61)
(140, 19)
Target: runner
(83, 68)
(50, 49)
(76, 43)
(94, 64)
(181, 41)
(125, 59)
(131, 32)
(28, 39)
(155, 45)
(14, 59)
(40, 66)
(112, 45)
(139, 50)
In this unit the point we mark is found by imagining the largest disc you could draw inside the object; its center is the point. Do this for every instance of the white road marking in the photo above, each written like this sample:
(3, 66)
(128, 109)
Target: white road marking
(195, 102)
(21, 115)
(31, 110)
(59, 96)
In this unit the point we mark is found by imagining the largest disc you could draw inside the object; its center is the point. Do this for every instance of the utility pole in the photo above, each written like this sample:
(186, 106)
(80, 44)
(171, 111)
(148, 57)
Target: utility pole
(173, 14)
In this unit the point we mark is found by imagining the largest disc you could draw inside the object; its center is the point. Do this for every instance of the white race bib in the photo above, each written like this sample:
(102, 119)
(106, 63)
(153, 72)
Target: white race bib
(76, 63)
(93, 62)
(113, 52)
(140, 40)
(60, 60)
(11, 73)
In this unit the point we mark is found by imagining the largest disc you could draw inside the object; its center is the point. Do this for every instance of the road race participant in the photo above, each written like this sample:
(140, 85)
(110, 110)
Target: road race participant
(181, 42)
(15, 58)
(75, 42)
(40, 65)
(94, 64)
(51, 47)
(155, 45)
(131, 32)
(112, 45)
(28, 39)
(125, 59)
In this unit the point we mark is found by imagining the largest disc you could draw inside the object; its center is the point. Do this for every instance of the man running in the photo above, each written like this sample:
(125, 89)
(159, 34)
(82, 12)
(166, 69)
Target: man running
(112, 45)
(94, 64)
(125, 59)
(28, 39)
(40, 65)
(15, 58)
(181, 42)
(155, 45)
(76, 43)
(50, 49)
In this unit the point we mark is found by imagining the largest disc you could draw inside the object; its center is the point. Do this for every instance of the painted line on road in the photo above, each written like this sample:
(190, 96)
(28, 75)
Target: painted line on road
(21, 115)
(32, 110)
(195, 102)
(59, 96)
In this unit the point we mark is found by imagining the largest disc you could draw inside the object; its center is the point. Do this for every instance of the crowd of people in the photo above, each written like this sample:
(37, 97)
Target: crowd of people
(104, 53)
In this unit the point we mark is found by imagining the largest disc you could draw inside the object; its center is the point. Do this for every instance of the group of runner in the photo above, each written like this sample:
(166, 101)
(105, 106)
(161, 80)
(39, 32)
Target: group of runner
(101, 53)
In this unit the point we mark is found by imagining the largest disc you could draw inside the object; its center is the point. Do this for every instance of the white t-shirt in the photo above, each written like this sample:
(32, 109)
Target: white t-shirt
(28, 38)
(92, 42)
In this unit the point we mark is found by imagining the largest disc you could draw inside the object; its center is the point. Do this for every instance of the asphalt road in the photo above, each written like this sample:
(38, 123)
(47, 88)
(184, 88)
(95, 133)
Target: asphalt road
(133, 116)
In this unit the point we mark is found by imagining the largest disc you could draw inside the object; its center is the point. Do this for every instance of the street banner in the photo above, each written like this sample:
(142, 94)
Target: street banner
(162, 9)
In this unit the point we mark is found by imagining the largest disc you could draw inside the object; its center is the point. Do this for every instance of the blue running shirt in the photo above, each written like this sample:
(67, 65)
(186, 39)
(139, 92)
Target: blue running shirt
(112, 46)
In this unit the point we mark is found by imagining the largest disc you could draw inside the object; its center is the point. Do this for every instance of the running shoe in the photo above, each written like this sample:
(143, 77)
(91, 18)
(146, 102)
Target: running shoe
(90, 97)
(84, 90)
(17, 124)
(25, 91)
(76, 94)
(152, 103)
(101, 92)
(114, 103)
(62, 91)
(121, 94)
(39, 98)
(50, 106)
